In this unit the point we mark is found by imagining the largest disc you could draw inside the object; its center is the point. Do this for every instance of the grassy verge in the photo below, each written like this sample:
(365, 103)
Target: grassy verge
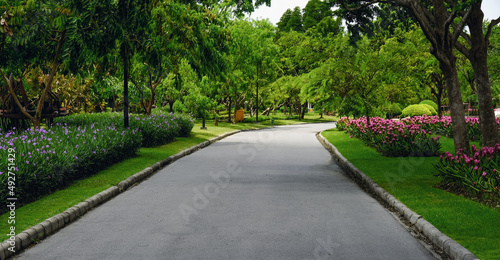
(50, 205)
(412, 181)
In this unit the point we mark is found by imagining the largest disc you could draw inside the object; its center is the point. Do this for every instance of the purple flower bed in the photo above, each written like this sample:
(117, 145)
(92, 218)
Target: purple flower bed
(78, 146)
(48, 159)
(157, 129)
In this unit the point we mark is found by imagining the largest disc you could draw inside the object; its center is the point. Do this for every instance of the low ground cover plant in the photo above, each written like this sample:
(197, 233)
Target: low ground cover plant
(392, 138)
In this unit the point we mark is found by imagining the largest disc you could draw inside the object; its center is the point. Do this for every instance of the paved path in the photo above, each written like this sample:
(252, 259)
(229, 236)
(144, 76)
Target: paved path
(268, 194)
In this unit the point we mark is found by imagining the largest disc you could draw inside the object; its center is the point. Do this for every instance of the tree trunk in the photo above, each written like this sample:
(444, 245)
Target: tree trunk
(125, 90)
(367, 112)
(229, 110)
(460, 134)
(479, 61)
(440, 103)
(267, 111)
(443, 42)
(171, 106)
(303, 113)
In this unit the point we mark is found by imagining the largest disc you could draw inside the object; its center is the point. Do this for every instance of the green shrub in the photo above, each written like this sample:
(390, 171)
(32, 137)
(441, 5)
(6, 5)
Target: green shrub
(415, 110)
(430, 103)
(431, 109)
(178, 107)
(393, 110)
(396, 110)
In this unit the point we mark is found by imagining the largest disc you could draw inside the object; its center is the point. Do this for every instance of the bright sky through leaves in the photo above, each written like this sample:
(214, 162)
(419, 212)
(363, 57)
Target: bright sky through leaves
(491, 9)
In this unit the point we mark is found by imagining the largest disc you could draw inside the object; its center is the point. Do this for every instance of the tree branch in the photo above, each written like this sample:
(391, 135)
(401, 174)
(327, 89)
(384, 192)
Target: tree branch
(52, 73)
(461, 48)
(363, 5)
(490, 28)
(13, 94)
(462, 24)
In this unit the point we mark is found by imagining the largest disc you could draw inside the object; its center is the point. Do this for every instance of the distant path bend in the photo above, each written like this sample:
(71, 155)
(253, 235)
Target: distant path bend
(267, 194)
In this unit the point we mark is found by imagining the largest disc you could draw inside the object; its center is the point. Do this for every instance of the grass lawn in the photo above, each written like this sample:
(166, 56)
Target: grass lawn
(412, 181)
(50, 205)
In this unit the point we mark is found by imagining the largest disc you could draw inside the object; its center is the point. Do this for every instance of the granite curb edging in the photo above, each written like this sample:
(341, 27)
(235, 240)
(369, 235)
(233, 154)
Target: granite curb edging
(55, 223)
(449, 246)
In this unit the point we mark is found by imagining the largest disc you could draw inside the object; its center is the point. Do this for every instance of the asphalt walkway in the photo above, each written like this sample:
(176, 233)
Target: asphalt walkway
(267, 194)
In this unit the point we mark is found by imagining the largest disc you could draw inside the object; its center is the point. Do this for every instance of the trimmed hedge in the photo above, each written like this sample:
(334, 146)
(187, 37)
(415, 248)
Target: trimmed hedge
(416, 110)
(430, 103)
(431, 109)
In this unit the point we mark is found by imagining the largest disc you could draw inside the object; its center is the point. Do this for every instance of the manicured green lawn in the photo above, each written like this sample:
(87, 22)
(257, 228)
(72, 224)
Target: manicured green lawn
(411, 180)
(50, 205)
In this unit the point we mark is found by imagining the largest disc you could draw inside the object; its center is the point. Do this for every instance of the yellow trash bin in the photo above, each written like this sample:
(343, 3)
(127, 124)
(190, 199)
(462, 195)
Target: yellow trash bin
(240, 115)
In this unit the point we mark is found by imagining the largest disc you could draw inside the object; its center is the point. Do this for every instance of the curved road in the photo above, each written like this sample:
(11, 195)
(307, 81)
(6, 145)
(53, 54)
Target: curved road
(267, 194)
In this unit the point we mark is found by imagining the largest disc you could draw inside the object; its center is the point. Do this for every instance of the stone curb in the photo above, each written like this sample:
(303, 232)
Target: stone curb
(55, 223)
(450, 247)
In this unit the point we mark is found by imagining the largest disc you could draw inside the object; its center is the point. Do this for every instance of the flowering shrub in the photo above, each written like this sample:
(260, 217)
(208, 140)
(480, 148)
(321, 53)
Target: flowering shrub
(157, 129)
(475, 174)
(443, 125)
(392, 138)
(79, 146)
(46, 160)
(161, 129)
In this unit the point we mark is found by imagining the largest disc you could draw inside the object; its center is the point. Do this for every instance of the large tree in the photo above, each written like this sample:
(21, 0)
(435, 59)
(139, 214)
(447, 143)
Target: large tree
(442, 25)
(52, 35)
(314, 12)
(477, 53)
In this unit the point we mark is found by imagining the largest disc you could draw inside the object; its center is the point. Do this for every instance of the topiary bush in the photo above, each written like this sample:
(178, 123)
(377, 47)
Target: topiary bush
(415, 110)
(431, 109)
(430, 103)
